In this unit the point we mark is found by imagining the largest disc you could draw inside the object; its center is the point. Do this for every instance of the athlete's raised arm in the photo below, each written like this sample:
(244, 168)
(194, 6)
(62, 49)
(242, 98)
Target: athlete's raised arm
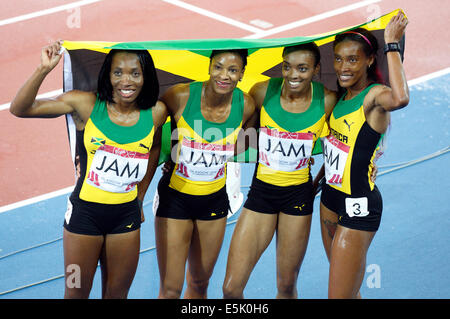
(25, 103)
(397, 95)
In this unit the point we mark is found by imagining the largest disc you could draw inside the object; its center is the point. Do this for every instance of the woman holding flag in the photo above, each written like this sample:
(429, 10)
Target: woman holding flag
(118, 143)
(351, 204)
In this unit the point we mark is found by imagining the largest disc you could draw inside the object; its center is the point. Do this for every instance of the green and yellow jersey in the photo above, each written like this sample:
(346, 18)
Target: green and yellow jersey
(203, 146)
(113, 158)
(286, 139)
(351, 147)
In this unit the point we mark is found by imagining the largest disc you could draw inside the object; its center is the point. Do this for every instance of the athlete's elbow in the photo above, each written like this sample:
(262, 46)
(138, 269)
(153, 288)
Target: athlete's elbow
(16, 111)
(400, 102)
(403, 101)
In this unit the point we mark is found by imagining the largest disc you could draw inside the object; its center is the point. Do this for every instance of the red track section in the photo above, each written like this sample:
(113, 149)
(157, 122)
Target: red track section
(34, 154)
(11, 9)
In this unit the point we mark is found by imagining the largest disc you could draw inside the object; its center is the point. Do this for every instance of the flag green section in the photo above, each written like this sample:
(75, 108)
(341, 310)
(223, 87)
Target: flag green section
(219, 44)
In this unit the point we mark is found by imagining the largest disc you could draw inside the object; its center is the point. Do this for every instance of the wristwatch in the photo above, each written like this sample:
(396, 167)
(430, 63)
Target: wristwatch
(393, 46)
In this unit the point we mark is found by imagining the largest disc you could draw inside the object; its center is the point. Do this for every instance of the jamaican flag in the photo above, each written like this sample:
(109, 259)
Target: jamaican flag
(188, 60)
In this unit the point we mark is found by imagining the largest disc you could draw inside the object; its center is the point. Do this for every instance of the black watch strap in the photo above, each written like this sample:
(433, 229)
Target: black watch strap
(393, 46)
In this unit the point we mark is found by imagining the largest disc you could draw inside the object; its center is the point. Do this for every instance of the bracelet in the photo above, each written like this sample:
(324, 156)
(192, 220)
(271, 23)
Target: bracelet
(390, 47)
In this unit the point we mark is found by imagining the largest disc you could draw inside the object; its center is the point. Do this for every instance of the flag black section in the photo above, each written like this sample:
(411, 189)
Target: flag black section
(167, 79)
(86, 65)
(327, 75)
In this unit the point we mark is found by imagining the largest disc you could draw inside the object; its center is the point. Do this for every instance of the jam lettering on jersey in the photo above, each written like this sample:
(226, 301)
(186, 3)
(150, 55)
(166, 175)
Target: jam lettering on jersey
(335, 157)
(117, 170)
(203, 161)
(284, 151)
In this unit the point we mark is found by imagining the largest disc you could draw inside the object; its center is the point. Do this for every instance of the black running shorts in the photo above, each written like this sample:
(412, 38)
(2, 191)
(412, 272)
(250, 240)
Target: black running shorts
(359, 211)
(271, 199)
(178, 205)
(88, 218)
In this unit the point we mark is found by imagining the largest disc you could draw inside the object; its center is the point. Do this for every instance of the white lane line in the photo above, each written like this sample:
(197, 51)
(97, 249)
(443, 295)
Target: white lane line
(261, 23)
(429, 76)
(312, 19)
(47, 11)
(36, 199)
(213, 15)
(40, 96)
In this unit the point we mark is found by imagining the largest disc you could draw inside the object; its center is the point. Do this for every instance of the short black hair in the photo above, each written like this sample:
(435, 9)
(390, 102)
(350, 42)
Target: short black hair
(243, 53)
(150, 91)
(309, 46)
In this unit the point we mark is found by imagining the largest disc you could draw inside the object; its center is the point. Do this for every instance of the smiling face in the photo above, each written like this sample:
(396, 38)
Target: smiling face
(126, 77)
(298, 69)
(351, 64)
(225, 70)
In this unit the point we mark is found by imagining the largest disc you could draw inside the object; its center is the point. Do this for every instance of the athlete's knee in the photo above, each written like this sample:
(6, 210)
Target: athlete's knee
(116, 292)
(287, 286)
(287, 291)
(231, 290)
(76, 293)
(117, 287)
(169, 292)
(199, 286)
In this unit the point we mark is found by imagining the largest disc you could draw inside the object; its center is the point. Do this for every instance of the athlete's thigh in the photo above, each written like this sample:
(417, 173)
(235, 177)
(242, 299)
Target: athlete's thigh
(347, 261)
(292, 241)
(81, 252)
(252, 234)
(328, 225)
(207, 239)
(121, 258)
(173, 239)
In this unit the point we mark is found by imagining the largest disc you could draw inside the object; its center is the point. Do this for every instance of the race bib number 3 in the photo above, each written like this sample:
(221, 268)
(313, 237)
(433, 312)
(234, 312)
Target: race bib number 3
(284, 151)
(335, 157)
(117, 170)
(356, 207)
(203, 161)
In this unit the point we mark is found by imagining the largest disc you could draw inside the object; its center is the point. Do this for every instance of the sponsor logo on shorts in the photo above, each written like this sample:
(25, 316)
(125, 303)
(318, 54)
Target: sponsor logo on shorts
(214, 214)
(300, 208)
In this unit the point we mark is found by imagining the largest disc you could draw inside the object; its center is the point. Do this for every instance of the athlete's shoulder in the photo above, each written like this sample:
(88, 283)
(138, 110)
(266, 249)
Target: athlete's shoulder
(330, 98)
(176, 97)
(82, 102)
(159, 112)
(249, 105)
(378, 88)
(258, 92)
(178, 89)
(374, 92)
(78, 97)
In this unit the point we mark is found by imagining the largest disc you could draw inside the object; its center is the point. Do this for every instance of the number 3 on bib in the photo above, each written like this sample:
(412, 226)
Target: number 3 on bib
(357, 207)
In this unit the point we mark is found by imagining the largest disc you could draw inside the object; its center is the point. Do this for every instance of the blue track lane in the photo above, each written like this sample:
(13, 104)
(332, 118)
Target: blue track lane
(409, 252)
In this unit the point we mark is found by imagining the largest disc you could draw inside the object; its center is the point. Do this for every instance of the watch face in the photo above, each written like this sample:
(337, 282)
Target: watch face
(391, 47)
